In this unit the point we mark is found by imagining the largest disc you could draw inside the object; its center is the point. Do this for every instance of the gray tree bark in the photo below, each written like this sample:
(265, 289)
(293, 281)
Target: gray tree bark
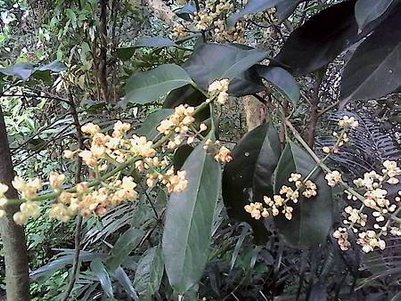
(12, 235)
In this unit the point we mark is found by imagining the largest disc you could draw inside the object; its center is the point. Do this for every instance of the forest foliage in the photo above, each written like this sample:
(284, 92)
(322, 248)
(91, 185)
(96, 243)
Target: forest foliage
(138, 177)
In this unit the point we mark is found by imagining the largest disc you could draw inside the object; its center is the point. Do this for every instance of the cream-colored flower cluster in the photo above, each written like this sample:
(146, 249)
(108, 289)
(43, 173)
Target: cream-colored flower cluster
(220, 153)
(212, 17)
(285, 200)
(106, 157)
(179, 123)
(218, 91)
(346, 124)
(371, 202)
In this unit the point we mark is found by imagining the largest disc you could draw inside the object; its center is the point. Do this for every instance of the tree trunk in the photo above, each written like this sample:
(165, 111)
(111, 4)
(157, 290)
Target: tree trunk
(12, 235)
(255, 112)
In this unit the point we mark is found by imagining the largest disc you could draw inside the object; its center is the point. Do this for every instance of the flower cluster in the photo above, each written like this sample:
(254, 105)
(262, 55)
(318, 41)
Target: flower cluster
(106, 157)
(333, 178)
(346, 124)
(111, 158)
(218, 89)
(212, 17)
(283, 202)
(370, 198)
(179, 124)
(220, 153)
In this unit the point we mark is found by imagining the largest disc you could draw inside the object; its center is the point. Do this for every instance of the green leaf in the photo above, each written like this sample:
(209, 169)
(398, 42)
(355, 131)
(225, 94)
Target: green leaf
(320, 39)
(99, 270)
(125, 53)
(184, 95)
(186, 11)
(189, 220)
(375, 67)
(283, 9)
(282, 80)
(313, 217)
(55, 66)
(125, 244)
(121, 276)
(181, 155)
(211, 62)
(149, 126)
(145, 87)
(248, 177)
(367, 11)
(21, 70)
(149, 273)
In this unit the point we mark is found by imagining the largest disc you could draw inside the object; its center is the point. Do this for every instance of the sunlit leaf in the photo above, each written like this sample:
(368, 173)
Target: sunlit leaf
(149, 86)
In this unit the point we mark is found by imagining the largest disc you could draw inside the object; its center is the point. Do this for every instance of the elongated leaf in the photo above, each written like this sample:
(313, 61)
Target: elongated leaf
(248, 177)
(367, 11)
(124, 245)
(186, 11)
(375, 67)
(189, 219)
(184, 95)
(149, 126)
(148, 86)
(313, 217)
(55, 66)
(282, 80)
(320, 39)
(121, 276)
(21, 70)
(211, 62)
(99, 270)
(181, 155)
(149, 273)
(62, 261)
(283, 9)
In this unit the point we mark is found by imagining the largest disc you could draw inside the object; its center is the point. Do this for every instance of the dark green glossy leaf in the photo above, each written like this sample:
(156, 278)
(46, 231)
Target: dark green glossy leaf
(186, 11)
(125, 53)
(99, 270)
(312, 218)
(189, 220)
(375, 67)
(149, 273)
(320, 39)
(149, 86)
(284, 8)
(125, 244)
(184, 95)
(211, 62)
(149, 126)
(248, 177)
(181, 155)
(367, 11)
(282, 80)
(21, 70)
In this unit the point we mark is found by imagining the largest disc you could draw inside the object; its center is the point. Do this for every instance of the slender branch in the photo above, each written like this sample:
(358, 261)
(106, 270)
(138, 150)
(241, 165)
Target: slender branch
(78, 228)
(314, 116)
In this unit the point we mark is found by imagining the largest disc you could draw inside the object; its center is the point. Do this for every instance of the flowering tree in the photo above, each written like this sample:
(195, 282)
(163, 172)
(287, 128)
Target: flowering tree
(278, 178)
